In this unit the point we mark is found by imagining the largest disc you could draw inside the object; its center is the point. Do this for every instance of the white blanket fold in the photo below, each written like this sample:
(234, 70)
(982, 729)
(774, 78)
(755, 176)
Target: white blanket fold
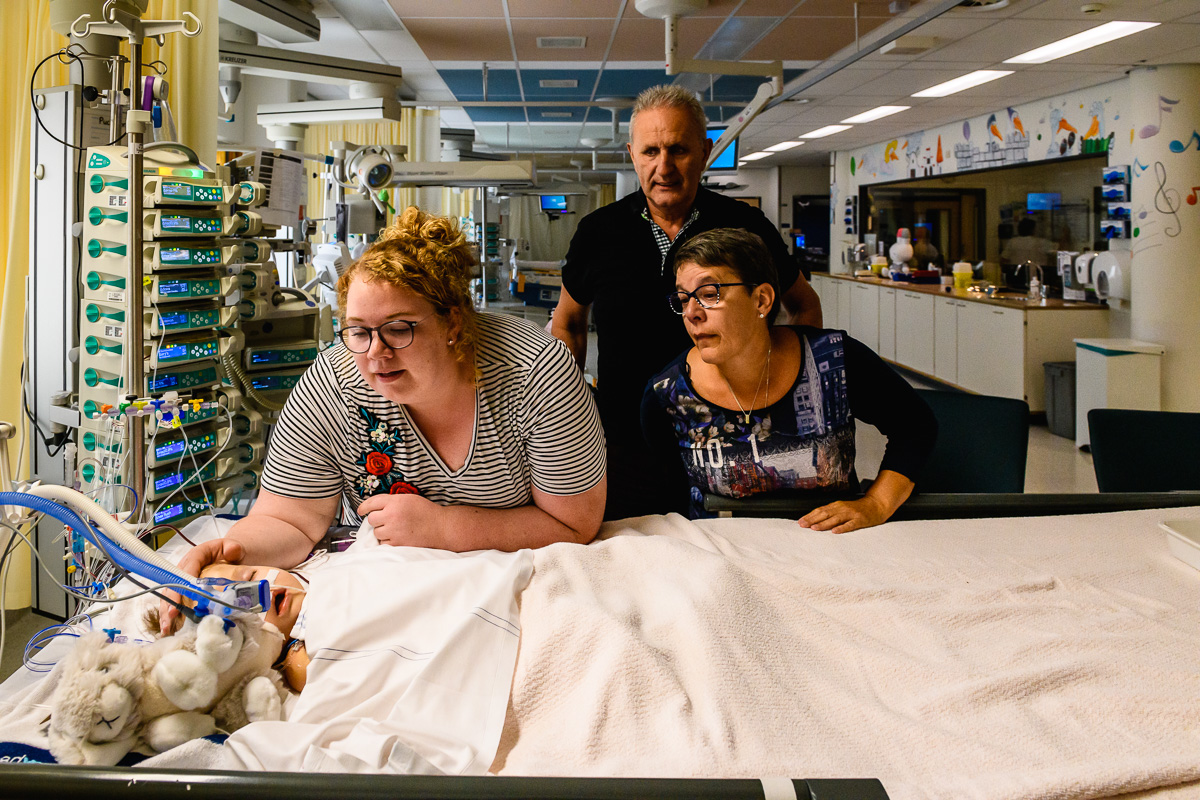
(412, 654)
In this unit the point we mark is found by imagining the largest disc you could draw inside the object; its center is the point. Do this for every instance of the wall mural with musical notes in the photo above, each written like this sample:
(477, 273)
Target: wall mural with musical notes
(1074, 124)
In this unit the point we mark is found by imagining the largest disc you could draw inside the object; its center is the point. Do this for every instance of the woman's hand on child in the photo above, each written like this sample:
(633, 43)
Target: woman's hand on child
(214, 550)
(404, 520)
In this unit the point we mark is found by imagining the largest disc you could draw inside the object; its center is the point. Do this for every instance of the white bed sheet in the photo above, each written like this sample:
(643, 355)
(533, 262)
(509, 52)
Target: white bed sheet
(1003, 658)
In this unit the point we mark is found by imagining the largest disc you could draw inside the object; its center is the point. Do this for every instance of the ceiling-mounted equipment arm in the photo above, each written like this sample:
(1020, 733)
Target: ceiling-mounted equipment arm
(675, 64)
(766, 92)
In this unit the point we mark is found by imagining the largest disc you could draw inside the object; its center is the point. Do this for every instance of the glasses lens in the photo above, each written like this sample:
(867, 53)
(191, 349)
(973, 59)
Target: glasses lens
(357, 340)
(709, 295)
(677, 300)
(397, 334)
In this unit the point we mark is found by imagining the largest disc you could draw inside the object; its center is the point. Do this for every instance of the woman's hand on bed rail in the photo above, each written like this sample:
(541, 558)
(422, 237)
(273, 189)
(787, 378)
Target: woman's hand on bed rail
(229, 551)
(887, 493)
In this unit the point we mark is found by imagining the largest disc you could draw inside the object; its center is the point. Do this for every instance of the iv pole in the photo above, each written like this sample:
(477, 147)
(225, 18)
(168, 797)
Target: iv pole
(121, 20)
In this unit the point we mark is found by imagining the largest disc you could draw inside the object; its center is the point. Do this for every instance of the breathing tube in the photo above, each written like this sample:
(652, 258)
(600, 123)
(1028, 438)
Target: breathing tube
(122, 547)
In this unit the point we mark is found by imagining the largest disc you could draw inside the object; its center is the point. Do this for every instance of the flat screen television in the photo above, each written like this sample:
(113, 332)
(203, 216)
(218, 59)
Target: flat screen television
(727, 161)
(554, 202)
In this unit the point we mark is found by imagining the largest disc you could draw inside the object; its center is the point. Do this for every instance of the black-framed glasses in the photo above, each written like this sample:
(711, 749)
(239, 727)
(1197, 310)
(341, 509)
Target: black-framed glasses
(395, 335)
(708, 296)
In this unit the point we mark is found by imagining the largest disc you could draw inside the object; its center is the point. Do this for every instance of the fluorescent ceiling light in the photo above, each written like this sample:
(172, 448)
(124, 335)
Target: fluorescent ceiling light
(777, 148)
(755, 156)
(967, 81)
(1080, 41)
(828, 130)
(876, 113)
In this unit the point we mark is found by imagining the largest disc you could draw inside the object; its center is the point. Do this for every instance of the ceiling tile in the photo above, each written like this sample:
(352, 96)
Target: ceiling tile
(453, 9)
(556, 8)
(449, 39)
(814, 38)
(639, 38)
(527, 31)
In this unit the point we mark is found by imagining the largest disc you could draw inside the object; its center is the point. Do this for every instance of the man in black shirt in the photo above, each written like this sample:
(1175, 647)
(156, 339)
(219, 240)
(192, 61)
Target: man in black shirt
(620, 261)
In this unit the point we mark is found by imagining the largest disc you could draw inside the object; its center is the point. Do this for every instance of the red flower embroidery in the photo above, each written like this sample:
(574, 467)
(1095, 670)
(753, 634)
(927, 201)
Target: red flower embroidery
(400, 487)
(379, 463)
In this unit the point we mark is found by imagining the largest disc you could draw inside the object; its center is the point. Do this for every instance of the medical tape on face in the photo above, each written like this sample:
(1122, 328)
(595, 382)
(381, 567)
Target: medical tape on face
(778, 789)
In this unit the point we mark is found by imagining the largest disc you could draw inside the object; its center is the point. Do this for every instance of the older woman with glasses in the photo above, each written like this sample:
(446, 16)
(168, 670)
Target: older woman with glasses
(442, 427)
(753, 408)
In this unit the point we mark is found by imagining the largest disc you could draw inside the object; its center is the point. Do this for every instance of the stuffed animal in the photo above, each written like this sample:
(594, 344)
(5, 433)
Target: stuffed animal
(113, 697)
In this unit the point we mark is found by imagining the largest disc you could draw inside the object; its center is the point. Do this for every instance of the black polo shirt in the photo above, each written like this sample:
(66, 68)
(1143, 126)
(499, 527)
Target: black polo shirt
(614, 265)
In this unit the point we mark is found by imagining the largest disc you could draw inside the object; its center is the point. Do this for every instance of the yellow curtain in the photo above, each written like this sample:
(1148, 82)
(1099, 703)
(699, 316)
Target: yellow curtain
(192, 65)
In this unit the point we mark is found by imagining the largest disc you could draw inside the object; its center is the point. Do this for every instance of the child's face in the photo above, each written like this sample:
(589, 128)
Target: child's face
(287, 593)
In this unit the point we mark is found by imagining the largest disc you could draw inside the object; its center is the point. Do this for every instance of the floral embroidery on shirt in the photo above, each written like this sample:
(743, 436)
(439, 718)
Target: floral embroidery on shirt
(379, 463)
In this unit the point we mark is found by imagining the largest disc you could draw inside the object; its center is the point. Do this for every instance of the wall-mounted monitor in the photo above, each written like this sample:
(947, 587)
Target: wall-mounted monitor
(727, 161)
(554, 202)
(1043, 201)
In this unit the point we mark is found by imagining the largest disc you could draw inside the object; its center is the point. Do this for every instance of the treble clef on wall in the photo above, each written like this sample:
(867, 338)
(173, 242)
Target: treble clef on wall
(1166, 201)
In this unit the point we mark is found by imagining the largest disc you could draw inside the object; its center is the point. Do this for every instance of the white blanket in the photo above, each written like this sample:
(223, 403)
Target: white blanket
(412, 658)
(1011, 658)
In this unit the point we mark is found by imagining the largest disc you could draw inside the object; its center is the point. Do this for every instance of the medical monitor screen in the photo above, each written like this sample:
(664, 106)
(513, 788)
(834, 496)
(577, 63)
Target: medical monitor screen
(1043, 201)
(727, 161)
(554, 202)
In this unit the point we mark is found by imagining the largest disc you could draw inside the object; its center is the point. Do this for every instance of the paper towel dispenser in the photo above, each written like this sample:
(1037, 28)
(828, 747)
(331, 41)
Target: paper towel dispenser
(1110, 274)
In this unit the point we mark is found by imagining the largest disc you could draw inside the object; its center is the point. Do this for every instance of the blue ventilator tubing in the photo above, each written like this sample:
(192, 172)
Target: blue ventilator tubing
(119, 556)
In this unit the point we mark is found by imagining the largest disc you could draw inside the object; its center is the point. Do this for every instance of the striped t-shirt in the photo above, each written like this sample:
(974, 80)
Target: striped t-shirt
(536, 426)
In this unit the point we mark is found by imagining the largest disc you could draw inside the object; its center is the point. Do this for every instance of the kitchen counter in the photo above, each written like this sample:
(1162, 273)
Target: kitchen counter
(986, 345)
(1006, 301)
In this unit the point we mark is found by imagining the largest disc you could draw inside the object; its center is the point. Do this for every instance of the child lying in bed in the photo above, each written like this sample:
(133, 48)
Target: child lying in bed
(287, 602)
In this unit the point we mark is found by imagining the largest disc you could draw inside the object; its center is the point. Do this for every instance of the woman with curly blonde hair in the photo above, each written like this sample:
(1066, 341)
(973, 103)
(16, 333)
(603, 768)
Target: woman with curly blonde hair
(442, 426)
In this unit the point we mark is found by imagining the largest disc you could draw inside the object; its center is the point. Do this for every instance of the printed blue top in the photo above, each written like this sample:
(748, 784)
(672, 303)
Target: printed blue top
(804, 440)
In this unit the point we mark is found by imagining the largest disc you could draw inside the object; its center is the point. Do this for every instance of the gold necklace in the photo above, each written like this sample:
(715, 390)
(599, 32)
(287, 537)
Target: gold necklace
(766, 371)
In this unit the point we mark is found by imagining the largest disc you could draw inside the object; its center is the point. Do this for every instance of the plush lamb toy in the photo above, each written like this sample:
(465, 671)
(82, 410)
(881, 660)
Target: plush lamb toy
(112, 697)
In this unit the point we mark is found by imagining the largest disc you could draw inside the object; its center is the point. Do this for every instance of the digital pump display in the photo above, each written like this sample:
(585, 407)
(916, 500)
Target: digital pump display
(169, 449)
(173, 287)
(169, 513)
(174, 351)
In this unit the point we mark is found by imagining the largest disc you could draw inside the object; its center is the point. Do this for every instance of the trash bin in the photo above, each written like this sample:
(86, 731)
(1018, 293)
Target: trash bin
(1060, 397)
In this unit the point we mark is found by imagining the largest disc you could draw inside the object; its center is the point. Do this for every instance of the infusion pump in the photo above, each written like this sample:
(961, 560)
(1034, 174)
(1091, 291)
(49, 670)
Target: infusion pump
(221, 343)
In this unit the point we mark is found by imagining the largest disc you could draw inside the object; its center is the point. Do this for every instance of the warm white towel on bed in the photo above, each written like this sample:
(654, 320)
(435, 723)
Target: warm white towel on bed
(412, 653)
(1033, 658)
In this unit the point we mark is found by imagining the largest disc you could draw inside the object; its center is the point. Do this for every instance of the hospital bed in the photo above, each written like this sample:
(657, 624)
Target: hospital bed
(994, 657)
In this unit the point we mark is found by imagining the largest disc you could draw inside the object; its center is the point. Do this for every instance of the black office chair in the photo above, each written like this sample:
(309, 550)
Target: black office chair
(982, 444)
(1144, 451)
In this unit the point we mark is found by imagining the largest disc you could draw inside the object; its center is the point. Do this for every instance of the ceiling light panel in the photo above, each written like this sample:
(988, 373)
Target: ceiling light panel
(779, 148)
(968, 81)
(1107, 32)
(879, 112)
(828, 130)
(755, 156)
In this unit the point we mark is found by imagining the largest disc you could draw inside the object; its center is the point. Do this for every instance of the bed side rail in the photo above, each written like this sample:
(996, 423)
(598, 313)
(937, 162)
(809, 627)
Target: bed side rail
(961, 506)
(122, 783)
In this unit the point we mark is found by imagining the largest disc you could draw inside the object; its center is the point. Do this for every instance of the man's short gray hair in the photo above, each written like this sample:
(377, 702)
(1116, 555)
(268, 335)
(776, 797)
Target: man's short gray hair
(665, 96)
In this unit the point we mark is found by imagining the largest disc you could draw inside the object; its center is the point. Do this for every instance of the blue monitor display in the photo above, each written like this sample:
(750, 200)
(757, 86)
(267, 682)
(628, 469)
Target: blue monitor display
(554, 202)
(729, 156)
(1043, 201)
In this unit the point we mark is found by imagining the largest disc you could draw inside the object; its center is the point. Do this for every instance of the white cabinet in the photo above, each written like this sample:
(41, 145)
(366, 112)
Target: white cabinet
(991, 350)
(887, 323)
(828, 289)
(843, 305)
(945, 338)
(914, 330)
(822, 285)
(864, 314)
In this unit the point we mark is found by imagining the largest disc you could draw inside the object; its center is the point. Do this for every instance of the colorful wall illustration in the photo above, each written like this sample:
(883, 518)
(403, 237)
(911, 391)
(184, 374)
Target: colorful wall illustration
(1078, 123)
